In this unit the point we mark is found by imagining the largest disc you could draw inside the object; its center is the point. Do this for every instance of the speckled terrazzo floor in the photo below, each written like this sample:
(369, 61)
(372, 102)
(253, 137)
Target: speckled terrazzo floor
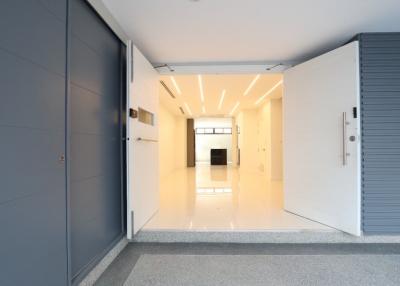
(118, 272)
(263, 270)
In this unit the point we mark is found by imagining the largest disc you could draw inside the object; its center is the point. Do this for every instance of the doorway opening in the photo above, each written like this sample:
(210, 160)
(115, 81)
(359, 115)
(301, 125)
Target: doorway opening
(294, 160)
(237, 180)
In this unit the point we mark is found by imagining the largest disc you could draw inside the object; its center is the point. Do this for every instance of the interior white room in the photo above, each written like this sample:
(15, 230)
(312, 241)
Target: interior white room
(213, 133)
(243, 115)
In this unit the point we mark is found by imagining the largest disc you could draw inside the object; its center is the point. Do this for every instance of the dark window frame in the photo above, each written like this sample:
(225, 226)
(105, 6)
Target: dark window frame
(202, 131)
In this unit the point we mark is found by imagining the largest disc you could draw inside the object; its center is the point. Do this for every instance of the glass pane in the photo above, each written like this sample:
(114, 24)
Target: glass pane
(228, 130)
(219, 130)
(209, 130)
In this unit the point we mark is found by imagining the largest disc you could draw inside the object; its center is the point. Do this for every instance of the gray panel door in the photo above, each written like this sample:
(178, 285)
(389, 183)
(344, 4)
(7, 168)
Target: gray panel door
(95, 188)
(33, 247)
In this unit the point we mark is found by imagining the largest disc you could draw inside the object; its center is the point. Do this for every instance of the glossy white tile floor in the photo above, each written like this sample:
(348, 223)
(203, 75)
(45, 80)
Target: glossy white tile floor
(224, 198)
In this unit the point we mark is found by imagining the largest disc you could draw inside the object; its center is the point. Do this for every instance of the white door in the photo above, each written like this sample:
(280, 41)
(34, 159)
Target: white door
(322, 139)
(142, 149)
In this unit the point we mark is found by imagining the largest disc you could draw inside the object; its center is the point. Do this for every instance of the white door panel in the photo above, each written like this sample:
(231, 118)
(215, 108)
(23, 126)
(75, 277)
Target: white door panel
(143, 165)
(321, 181)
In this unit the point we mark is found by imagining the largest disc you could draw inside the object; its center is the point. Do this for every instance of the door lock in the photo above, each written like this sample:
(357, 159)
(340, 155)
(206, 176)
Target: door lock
(352, 138)
(61, 159)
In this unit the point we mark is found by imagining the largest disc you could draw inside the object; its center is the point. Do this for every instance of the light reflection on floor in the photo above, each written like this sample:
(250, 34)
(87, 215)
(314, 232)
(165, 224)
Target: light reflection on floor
(224, 198)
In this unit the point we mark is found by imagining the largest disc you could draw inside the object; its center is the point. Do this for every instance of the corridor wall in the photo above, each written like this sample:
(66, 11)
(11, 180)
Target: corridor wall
(172, 139)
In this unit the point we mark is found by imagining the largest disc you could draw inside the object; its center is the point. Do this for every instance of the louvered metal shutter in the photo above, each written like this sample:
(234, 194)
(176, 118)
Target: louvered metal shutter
(380, 121)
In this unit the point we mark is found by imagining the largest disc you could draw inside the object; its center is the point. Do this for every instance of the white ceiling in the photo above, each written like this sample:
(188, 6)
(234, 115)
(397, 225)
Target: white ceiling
(187, 31)
(213, 85)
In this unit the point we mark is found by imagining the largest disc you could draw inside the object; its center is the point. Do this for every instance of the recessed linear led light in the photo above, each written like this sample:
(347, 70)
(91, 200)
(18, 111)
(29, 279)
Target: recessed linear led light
(201, 88)
(221, 99)
(203, 109)
(251, 85)
(234, 108)
(188, 109)
(178, 90)
(268, 92)
(167, 89)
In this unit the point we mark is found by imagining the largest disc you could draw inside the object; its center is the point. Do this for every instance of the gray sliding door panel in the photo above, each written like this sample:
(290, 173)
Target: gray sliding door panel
(380, 119)
(95, 139)
(33, 246)
(91, 70)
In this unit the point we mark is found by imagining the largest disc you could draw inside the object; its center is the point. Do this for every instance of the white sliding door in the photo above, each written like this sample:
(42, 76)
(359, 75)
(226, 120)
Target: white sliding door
(322, 139)
(143, 161)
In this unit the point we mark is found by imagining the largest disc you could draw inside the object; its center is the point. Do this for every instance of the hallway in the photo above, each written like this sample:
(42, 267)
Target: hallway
(224, 198)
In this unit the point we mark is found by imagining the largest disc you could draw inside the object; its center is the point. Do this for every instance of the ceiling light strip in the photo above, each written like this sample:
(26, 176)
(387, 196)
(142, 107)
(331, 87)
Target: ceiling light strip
(201, 87)
(167, 89)
(268, 92)
(251, 85)
(221, 100)
(188, 109)
(178, 90)
(234, 108)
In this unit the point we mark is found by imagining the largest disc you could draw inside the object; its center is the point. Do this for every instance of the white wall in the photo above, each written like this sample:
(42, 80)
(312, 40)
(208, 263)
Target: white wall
(204, 143)
(260, 139)
(235, 142)
(269, 131)
(172, 139)
(180, 143)
(213, 122)
(248, 138)
(264, 138)
(276, 140)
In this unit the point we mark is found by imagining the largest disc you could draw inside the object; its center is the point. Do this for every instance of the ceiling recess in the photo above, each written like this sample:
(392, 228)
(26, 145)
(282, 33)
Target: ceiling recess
(167, 89)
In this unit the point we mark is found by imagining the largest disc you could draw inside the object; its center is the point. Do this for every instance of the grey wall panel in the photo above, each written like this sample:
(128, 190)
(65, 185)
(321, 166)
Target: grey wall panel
(33, 246)
(38, 163)
(95, 138)
(33, 32)
(25, 89)
(56, 7)
(93, 121)
(101, 40)
(33, 250)
(380, 119)
(91, 70)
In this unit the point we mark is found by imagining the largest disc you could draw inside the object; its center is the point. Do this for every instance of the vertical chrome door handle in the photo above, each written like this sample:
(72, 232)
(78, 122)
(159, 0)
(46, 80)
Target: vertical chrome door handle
(344, 142)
